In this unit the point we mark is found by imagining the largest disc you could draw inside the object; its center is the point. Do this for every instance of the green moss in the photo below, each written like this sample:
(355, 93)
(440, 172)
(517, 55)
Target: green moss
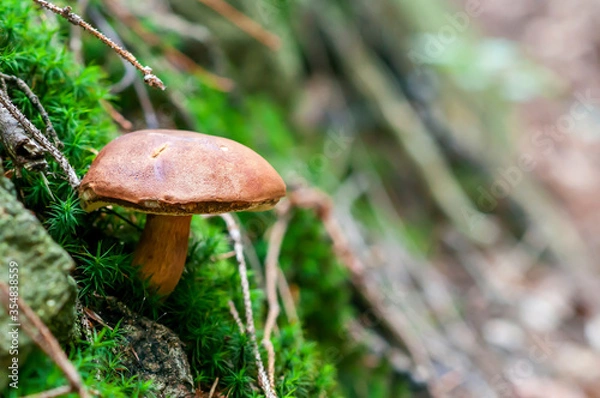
(98, 362)
(34, 49)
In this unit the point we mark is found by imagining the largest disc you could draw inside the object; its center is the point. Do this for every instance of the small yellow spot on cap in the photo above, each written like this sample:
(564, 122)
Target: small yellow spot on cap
(159, 150)
(224, 148)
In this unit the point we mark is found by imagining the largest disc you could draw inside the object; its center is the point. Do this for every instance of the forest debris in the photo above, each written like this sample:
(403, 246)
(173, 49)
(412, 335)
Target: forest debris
(41, 335)
(154, 351)
(234, 232)
(271, 275)
(50, 132)
(118, 118)
(29, 255)
(236, 316)
(11, 111)
(24, 152)
(371, 77)
(129, 78)
(394, 322)
(66, 12)
(243, 22)
(213, 388)
(175, 57)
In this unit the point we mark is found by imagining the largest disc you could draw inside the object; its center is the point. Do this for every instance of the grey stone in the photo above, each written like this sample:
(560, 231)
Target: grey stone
(153, 352)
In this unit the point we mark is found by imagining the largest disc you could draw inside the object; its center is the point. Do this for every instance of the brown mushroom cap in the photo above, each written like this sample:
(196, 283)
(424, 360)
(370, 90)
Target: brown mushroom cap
(175, 172)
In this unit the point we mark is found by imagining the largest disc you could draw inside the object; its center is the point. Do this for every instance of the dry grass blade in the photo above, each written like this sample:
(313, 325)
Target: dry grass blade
(244, 23)
(55, 392)
(236, 236)
(236, 316)
(271, 273)
(213, 388)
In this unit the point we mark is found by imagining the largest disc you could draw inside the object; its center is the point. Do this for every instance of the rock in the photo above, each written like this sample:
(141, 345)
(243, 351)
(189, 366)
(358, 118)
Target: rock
(43, 275)
(154, 353)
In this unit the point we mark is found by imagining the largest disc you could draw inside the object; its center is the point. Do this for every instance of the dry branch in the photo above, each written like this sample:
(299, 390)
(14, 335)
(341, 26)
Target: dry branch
(41, 335)
(24, 151)
(66, 12)
(50, 132)
(175, 57)
(43, 142)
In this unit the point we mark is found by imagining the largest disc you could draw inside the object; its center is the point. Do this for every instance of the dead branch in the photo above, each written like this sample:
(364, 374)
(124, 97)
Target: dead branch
(24, 151)
(175, 57)
(213, 388)
(41, 335)
(287, 298)
(43, 142)
(50, 132)
(66, 12)
(148, 110)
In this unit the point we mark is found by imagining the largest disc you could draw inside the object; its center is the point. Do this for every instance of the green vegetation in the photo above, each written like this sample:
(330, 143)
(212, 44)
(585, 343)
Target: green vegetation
(100, 356)
(33, 48)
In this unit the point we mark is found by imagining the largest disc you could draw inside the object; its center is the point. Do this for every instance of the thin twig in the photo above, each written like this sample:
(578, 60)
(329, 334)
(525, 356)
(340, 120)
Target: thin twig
(149, 78)
(287, 298)
(271, 266)
(33, 326)
(175, 57)
(236, 316)
(117, 117)
(244, 23)
(50, 132)
(234, 232)
(75, 42)
(55, 392)
(150, 116)
(214, 387)
(41, 139)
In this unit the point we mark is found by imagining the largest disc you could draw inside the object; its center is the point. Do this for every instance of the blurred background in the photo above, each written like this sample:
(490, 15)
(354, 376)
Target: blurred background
(445, 159)
(458, 143)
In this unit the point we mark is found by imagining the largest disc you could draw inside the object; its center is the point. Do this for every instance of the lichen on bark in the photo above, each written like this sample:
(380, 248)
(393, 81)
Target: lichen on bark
(43, 273)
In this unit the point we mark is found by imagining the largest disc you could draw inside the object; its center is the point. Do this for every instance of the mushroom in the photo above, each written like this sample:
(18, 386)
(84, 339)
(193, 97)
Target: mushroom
(171, 175)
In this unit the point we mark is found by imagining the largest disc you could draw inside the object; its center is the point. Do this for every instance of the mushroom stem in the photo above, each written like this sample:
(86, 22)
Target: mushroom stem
(162, 250)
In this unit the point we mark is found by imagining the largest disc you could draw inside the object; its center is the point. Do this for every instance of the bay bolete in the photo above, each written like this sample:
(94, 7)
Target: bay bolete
(170, 175)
